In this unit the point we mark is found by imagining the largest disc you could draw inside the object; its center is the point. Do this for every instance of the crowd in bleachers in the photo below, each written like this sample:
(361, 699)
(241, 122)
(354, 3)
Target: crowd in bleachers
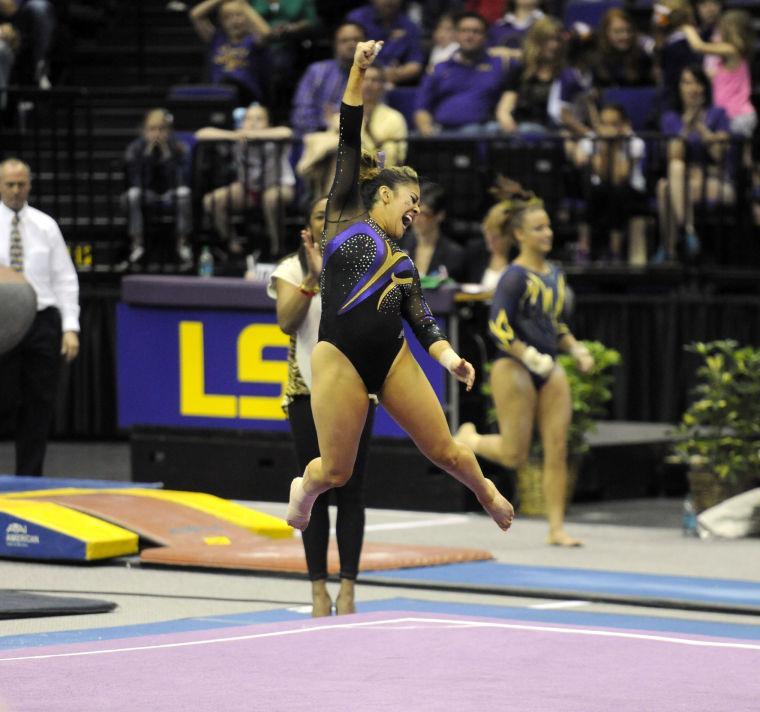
(633, 121)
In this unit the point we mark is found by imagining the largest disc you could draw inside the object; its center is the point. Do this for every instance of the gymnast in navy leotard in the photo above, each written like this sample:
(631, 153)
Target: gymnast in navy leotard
(528, 306)
(369, 285)
(528, 386)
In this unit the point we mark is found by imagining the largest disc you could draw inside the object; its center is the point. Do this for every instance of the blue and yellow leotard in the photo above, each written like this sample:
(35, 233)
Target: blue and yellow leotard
(528, 306)
(368, 283)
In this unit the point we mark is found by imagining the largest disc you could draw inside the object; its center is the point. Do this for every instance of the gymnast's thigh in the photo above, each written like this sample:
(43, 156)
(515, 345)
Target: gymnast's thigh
(515, 398)
(339, 403)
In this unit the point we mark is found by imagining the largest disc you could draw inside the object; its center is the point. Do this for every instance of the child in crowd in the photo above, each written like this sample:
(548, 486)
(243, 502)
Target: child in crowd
(444, 44)
(673, 52)
(265, 177)
(615, 184)
(732, 45)
(157, 168)
(708, 14)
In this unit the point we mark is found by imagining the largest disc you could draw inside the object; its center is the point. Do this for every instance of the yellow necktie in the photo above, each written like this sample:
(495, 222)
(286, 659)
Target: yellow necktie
(17, 248)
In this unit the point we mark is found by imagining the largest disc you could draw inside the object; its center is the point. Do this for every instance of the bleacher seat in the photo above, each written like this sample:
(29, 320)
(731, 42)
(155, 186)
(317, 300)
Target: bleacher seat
(197, 105)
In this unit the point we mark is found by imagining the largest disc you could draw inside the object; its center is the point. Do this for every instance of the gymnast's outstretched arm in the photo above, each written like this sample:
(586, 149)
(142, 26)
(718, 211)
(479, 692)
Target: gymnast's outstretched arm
(344, 200)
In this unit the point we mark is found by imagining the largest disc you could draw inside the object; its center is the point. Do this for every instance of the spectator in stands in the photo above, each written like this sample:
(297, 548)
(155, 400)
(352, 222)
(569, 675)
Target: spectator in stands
(295, 285)
(8, 46)
(571, 98)
(158, 177)
(31, 243)
(317, 99)
(708, 14)
(444, 41)
(615, 184)
(672, 51)
(487, 257)
(35, 21)
(265, 178)
(621, 58)
(524, 108)
(402, 54)
(383, 131)
(698, 163)
(290, 22)
(431, 251)
(510, 30)
(237, 55)
(462, 93)
(731, 80)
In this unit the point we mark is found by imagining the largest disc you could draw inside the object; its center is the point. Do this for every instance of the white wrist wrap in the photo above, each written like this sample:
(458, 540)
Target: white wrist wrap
(540, 364)
(449, 359)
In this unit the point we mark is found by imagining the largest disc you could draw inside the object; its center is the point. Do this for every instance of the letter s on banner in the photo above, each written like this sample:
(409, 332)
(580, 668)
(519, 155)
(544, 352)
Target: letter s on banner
(253, 368)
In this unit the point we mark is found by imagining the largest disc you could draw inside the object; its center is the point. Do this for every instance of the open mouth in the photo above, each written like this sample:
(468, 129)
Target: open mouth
(407, 219)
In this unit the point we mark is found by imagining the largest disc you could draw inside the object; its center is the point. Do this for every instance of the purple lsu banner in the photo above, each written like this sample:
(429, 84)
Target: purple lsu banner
(216, 369)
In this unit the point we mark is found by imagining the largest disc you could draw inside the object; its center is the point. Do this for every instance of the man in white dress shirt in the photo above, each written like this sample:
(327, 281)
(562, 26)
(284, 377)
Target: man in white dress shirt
(31, 243)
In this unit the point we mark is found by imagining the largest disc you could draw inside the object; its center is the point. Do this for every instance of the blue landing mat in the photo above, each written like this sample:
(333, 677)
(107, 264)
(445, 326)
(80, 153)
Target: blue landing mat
(15, 483)
(552, 582)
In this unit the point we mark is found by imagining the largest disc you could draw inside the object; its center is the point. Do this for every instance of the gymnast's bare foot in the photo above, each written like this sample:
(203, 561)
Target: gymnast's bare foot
(467, 434)
(321, 603)
(497, 506)
(299, 505)
(344, 603)
(561, 538)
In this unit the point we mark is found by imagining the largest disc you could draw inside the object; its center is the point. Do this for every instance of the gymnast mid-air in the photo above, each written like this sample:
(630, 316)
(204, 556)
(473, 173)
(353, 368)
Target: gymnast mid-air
(368, 286)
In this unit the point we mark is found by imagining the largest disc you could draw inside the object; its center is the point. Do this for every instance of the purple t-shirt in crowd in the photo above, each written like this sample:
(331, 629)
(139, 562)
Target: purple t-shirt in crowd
(457, 94)
(716, 119)
(242, 62)
(402, 40)
(321, 86)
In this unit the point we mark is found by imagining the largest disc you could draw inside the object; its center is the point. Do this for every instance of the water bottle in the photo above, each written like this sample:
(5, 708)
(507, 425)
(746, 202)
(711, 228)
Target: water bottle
(206, 263)
(689, 517)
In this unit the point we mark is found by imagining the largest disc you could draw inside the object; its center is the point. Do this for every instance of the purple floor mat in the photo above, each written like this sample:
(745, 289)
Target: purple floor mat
(388, 661)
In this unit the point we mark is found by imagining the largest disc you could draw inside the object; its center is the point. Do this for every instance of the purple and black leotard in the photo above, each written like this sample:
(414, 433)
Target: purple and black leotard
(368, 283)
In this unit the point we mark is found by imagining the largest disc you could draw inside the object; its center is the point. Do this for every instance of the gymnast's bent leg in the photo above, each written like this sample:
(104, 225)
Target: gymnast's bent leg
(409, 398)
(339, 403)
(515, 398)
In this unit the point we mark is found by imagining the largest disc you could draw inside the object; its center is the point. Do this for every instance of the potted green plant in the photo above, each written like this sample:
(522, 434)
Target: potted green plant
(719, 433)
(590, 394)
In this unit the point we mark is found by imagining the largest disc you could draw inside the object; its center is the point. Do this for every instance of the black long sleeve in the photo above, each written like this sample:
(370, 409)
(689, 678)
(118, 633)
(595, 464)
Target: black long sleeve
(344, 199)
(417, 314)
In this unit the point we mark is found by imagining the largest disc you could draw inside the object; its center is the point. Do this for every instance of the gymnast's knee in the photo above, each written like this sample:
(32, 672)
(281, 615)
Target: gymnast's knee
(449, 455)
(335, 475)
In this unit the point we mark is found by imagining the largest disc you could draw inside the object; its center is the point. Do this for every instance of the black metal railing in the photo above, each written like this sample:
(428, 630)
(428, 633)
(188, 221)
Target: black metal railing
(76, 154)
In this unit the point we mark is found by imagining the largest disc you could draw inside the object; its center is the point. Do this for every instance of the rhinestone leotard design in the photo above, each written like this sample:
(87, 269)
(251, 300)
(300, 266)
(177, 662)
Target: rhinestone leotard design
(368, 283)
